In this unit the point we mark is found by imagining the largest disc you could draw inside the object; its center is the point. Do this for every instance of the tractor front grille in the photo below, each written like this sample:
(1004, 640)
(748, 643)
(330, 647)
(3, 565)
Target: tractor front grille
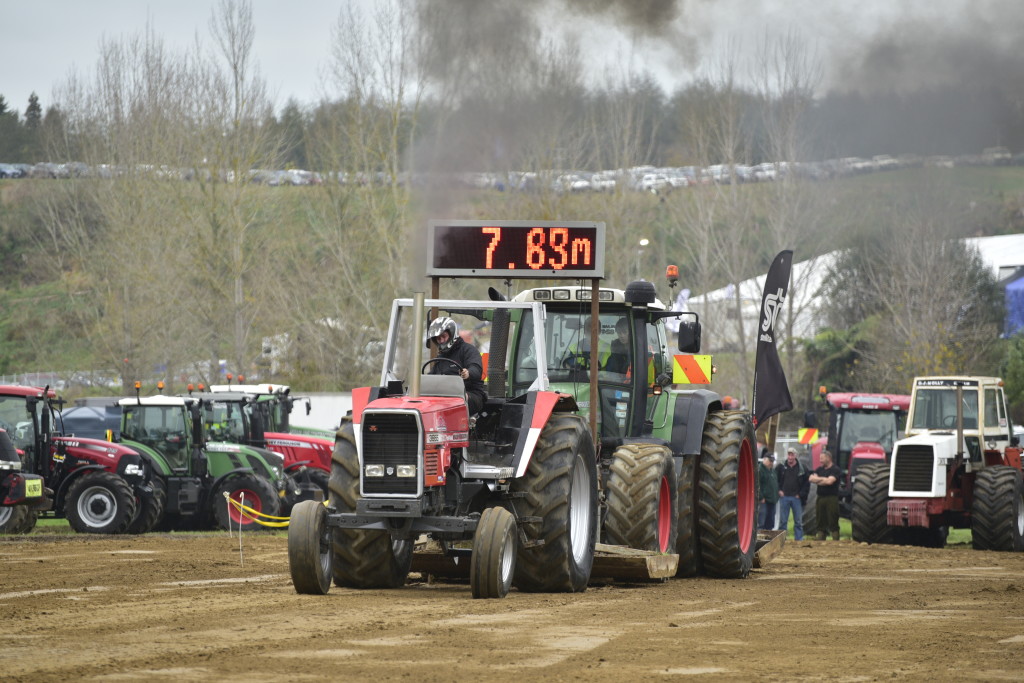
(392, 439)
(912, 469)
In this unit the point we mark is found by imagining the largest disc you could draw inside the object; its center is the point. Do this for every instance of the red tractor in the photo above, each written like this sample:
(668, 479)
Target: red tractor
(568, 448)
(22, 494)
(959, 466)
(862, 429)
(99, 486)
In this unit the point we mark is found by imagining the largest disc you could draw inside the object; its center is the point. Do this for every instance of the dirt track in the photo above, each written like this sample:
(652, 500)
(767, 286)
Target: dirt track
(184, 607)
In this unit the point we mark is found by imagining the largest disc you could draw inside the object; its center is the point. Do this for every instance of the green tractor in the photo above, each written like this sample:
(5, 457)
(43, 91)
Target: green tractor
(192, 477)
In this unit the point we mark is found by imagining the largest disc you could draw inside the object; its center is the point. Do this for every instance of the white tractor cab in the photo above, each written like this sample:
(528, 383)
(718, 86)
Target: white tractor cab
(959, 466)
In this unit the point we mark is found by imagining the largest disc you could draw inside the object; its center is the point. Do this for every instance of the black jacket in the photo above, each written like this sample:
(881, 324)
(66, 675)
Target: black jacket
(468, 357)
(803, 484)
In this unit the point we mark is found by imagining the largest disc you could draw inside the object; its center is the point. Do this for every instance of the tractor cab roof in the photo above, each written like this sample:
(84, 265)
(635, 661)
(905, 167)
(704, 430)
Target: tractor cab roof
(222, 396)
(27, 391)
(157, 401)
(571, 293)
(250, 388)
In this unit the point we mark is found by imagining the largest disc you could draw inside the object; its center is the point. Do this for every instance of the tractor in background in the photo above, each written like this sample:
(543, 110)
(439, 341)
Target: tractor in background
(959, 466)
(99, 486)
(566, 451)
(22, 494)
(193, 477)
(861, 430)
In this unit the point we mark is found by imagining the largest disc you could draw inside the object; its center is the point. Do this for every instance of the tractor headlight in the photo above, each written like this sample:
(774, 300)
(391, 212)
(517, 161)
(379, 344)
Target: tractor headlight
(133, 470)
(406, 470)
(373, 471)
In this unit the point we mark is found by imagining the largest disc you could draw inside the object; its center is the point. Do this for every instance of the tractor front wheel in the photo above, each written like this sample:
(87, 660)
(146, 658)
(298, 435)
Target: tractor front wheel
(149, 511)
(642, 494)
(493, 562)
(560, 487)
(870, 502)
(309, 548)
(361, 558)
(727, 495)
(100, 502)
(249, 490)
(17, 519)
(997, 516)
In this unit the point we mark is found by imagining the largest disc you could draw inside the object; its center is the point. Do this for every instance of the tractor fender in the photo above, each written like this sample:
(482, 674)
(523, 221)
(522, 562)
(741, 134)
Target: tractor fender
(690, 413)
(238, 471)
(537, 408)
(73, 476)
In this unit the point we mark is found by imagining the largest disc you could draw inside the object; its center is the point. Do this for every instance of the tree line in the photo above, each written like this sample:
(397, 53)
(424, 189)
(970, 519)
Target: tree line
(164, 278)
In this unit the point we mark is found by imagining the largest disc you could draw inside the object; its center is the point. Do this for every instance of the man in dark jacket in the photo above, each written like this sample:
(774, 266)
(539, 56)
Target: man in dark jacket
(768, 485)
(793, 490)
(444, 334)
(826, 477)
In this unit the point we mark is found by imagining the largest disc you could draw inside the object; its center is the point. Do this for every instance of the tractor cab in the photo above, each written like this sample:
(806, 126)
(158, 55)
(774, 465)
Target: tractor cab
(167, 424)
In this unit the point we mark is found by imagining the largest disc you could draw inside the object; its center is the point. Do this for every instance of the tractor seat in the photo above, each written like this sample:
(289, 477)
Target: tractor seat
(442, 385)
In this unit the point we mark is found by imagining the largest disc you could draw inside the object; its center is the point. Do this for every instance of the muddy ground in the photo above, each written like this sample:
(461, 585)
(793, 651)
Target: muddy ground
(193, 607)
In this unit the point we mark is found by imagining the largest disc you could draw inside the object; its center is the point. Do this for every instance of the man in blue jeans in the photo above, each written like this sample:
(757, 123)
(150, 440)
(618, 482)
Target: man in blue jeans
(793, 489)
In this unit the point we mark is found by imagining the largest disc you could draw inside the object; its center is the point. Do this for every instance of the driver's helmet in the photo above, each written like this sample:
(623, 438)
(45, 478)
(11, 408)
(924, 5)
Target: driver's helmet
(439, 325)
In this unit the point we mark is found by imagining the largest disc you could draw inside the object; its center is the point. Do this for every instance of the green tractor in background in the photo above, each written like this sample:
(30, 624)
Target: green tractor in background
(193, 477)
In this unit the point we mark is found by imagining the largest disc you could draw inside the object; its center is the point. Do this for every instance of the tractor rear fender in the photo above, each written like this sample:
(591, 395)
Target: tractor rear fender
(73, 476)
(538, 407)
(691, 411)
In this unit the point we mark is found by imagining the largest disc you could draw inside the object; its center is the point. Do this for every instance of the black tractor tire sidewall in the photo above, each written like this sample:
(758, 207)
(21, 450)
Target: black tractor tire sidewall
(869, 503)
(688, 530)
(17, 519)
(547, 492)
(636, 495)
(997, 509)
(309, 554)
(727, 495)
(118, 491)
(361, 558)
(270, 504)
(810, 516)
(494, 547)
(149, 511)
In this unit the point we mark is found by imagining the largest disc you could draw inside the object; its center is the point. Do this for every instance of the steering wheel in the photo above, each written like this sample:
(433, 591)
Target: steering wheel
(576, 361)
(949, 421)
(441, 358)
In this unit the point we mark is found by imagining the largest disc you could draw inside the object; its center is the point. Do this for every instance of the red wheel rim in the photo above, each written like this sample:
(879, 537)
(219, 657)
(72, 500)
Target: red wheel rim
(745, 496)
(248, 498)
(664, 514)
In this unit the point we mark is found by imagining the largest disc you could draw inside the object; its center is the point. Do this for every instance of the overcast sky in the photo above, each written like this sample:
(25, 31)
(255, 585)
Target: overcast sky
(890, 43)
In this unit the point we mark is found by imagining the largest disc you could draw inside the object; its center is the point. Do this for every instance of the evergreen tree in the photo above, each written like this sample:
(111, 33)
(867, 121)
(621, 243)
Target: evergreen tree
(33, 113)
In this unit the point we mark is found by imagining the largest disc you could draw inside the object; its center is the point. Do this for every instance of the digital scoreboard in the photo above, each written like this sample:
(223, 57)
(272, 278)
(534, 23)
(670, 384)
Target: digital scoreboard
(515, 249)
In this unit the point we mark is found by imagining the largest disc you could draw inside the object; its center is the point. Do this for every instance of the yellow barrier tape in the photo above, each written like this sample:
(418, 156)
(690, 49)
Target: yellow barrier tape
(255, 515)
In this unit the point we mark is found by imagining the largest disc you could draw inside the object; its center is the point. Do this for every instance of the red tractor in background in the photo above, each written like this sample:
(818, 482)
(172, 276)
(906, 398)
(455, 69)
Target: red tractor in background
(862, 429)
(22, 494)
(99, 486)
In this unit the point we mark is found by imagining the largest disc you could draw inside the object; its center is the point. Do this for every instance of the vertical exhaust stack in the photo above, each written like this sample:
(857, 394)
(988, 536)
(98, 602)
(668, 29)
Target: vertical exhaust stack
(417, 344)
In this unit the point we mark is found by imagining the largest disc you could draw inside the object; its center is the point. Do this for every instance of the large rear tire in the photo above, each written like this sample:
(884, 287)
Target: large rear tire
(870, 502)
(493, 562)
(309, 548)
(642, 492)
(99, 502)
(149, 511)
(254, 492)
(727, 495)
(997, 515)
(688, 539)
(560, 487)
(811, 512)
(361, 558)
(17, 519)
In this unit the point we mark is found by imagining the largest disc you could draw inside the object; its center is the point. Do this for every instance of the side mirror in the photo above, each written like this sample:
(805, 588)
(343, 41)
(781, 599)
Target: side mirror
(689, 336)
(810, 420)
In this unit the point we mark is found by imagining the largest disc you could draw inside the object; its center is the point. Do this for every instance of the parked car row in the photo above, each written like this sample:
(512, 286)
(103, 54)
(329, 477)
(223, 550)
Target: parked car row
(638, 178)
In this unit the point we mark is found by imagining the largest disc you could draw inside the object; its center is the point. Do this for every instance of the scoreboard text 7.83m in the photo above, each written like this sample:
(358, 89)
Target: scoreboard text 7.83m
(515, 249)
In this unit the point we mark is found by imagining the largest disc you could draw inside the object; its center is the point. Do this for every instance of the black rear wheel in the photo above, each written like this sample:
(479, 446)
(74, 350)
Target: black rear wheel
(560, 487)
(642, 495)
(997, 516)
(99, 502)
(149, 511)
(688, 539)
(727, 495)
(361, 558)
(309, 548)
(870, 502)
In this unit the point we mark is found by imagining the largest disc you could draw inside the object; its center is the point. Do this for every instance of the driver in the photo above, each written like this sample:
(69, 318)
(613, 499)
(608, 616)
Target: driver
(443, 333)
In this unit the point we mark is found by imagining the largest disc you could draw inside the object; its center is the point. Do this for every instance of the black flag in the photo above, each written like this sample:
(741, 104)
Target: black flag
(771, 393)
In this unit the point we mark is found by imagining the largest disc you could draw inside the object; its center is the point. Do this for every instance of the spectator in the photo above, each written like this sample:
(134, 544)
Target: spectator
(793, 490)
(768, 484)
(826, 477)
